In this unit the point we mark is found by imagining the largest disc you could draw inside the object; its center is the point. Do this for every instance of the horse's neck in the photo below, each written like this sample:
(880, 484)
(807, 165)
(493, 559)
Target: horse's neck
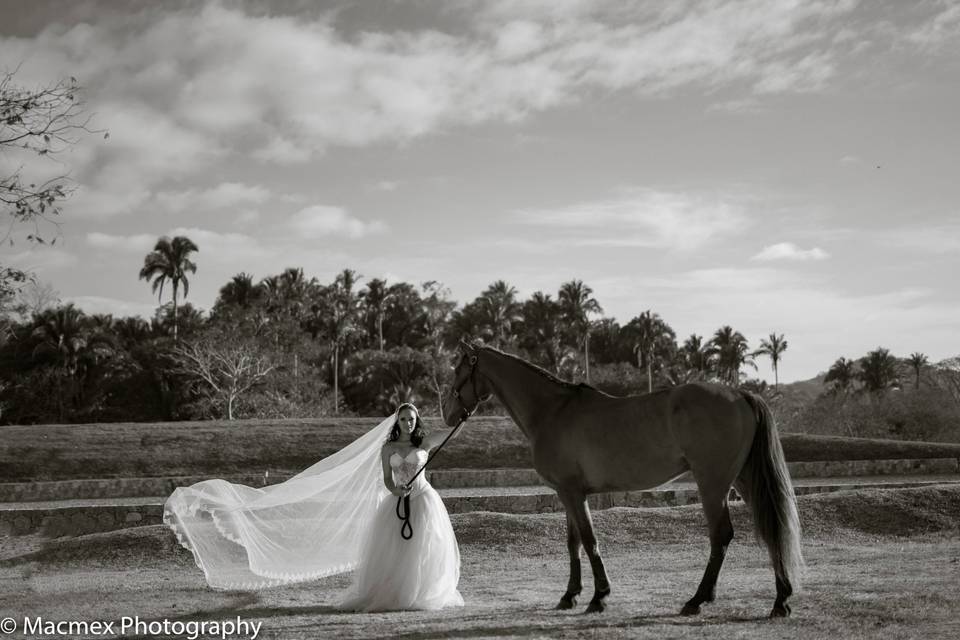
(526, 394)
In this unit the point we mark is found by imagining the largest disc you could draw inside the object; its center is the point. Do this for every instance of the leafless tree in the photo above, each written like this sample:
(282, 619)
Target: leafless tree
(225, 369)
(43, 121)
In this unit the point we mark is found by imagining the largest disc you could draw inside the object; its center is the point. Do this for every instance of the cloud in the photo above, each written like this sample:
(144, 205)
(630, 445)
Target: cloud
(644, 219)
(281, 151)
(41, 259)
(247, 216)
(106, 305)
(808, 74)
(851, 160)
(790, 251)
(139, 243)
(224, 195)
(222, 248)
(185, 85)
(319, 221)
(938, 29)
(743, 105)
(928, 239)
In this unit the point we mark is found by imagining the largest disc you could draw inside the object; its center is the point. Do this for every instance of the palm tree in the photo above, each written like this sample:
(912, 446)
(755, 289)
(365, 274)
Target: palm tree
(374, 299)
(338, 308)
(101, 322)
(917, 361)
(272, 294)
(170, 260)
(576, 305)
(131, 331)
(841, 375)
(774, 348)
(240, 291)
(653, 337)
(437, 309)
(695, 354)
(61, 336)
(403, 322)
(540, 332)
(730, 351)
(294, 288)
(878, 371)
(501, 311)
(190, 320)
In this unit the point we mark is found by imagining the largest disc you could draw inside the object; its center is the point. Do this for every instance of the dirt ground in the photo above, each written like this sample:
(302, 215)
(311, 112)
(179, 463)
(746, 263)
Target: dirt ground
(880, 564)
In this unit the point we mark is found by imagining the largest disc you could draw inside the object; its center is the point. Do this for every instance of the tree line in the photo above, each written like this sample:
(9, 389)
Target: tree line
(292, 346)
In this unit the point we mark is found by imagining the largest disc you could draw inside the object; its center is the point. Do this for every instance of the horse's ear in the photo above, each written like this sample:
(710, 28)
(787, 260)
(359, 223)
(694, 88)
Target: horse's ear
(465, 347)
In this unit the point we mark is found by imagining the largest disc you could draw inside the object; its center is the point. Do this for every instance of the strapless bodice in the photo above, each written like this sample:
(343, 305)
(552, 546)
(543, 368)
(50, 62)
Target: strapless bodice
(405, 466)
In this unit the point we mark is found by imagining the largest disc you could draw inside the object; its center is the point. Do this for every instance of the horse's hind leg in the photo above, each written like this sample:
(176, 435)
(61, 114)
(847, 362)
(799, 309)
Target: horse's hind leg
(579, 512)
(721, 533)
(574, 585)
(781, 609)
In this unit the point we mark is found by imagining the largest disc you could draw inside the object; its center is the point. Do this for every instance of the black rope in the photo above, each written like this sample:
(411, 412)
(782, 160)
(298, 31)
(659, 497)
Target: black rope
(406, 529)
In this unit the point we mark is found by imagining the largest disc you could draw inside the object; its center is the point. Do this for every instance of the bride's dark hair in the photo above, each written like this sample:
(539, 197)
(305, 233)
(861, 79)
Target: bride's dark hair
(416, 436)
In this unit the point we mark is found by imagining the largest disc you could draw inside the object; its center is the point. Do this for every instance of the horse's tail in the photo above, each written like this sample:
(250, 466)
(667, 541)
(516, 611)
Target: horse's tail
(769, 492)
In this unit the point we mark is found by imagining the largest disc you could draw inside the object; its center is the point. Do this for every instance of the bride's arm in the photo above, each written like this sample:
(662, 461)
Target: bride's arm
(434, 439)
(388, 473)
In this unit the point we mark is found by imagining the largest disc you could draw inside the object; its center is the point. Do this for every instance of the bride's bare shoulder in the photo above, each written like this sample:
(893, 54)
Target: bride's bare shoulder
(388, 448)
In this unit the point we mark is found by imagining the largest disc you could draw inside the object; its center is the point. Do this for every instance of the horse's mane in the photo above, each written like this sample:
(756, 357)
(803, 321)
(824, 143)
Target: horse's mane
(573, 386)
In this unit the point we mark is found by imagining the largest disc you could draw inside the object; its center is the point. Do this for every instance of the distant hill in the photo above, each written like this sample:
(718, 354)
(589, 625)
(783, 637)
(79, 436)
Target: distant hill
(804, 390)
(930, 412)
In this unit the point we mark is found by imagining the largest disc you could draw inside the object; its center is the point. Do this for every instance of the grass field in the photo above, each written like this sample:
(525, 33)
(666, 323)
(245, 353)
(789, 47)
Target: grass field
(880, 564)
(219, 448)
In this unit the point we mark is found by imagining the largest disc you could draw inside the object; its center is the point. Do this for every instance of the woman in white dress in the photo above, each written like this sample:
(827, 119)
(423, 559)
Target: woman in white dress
(395, 572)
(336, 516)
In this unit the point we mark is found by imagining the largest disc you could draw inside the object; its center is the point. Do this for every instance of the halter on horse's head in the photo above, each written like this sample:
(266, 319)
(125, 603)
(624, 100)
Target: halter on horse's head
(459, 405)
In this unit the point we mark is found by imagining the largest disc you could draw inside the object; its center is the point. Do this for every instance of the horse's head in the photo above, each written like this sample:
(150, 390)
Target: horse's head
(469, 388)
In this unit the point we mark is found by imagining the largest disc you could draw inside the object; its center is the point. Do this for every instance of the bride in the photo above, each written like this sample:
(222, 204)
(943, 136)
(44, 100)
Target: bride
(307, 527)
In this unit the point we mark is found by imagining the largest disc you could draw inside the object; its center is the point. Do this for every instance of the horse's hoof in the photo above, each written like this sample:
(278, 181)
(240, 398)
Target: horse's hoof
(567, 602)
(596, 606)
(690, 609)
(780, 611)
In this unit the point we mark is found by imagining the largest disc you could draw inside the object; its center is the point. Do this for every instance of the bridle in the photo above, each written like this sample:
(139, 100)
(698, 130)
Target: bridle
(472, 379)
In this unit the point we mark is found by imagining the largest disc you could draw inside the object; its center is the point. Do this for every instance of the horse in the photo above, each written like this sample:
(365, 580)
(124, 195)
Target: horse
(584, 441)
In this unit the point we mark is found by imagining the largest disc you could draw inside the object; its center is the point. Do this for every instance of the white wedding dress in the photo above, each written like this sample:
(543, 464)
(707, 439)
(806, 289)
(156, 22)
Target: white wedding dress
(334, 517)
(398, 574)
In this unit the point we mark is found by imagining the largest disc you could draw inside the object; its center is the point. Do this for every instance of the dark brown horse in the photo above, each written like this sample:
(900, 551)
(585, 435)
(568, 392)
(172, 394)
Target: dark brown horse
(585, 441)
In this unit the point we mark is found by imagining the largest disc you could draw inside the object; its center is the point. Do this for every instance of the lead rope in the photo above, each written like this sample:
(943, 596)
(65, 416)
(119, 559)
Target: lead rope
(406, 529)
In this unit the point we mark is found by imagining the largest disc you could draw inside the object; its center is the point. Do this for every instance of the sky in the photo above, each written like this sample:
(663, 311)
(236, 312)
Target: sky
(773, 165)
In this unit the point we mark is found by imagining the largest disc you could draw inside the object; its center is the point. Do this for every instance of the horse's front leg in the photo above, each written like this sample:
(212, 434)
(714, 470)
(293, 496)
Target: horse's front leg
(579, 512)
(574, 585)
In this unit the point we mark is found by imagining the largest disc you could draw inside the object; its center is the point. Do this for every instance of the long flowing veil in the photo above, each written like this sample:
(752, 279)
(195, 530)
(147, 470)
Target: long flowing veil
(305, 528)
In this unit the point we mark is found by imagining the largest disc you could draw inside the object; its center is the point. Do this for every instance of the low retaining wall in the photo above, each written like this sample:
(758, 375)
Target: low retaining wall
(461, 478)
(440, 478)
(115, 487)
(55, 522)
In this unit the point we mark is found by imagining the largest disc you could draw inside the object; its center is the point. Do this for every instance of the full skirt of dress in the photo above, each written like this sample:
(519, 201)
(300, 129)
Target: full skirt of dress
(398, 574)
